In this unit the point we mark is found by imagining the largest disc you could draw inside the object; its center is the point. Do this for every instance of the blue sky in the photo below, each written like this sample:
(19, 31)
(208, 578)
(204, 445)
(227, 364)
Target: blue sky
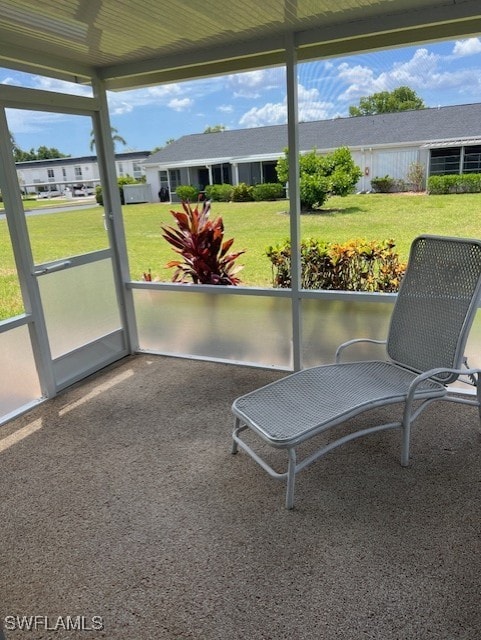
(442, 74)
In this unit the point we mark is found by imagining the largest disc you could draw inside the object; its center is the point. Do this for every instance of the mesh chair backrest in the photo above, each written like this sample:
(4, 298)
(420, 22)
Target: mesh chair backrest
(436, 304)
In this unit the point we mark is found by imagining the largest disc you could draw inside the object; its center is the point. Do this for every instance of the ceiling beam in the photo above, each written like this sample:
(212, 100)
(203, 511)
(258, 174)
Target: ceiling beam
(38, 100)
(18, 58)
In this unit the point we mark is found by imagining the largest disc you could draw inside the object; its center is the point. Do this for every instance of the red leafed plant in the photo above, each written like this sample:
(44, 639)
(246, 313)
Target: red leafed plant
(200, 242)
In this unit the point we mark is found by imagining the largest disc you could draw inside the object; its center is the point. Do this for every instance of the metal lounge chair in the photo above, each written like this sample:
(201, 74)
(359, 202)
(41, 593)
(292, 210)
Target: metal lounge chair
(429, 326)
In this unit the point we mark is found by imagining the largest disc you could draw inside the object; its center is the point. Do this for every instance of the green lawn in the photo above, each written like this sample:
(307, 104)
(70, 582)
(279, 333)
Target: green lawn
(253, 225)
(257, 225)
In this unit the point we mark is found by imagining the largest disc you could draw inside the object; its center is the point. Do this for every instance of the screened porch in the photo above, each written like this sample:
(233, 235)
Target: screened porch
(82, 310)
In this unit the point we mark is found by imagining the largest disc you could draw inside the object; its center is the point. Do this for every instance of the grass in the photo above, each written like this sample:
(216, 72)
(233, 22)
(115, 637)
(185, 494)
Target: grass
(253, 225)
(258, 225)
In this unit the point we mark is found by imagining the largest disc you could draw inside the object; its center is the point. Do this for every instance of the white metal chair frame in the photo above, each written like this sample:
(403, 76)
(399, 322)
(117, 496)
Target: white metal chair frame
(429, 327)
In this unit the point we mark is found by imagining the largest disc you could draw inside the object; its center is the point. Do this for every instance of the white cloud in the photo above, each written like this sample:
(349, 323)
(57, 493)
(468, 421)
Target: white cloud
(21, 121)
(180, 104)
(424, 71)
(269, 113)
(60, 86)
(118, 108)
(251, 83)
(164, 91)
(467, 47)
(225, 108)
(309, 106)
(162, 95)
(415, 71)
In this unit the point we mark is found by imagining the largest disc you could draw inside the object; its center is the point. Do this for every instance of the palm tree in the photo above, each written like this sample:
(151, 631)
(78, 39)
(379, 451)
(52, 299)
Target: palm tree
(115, 138)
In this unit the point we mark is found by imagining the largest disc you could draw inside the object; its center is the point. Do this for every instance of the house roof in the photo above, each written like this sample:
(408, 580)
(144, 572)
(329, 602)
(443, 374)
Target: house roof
(128, 155)
(407, 127)
(141, 42)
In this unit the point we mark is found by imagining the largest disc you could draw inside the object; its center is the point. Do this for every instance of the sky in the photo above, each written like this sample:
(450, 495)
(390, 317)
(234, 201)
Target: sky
(442, 74)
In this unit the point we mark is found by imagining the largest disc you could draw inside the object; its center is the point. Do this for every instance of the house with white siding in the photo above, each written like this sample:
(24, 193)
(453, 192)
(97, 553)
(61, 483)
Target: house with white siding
(443, 140)
(74, 174)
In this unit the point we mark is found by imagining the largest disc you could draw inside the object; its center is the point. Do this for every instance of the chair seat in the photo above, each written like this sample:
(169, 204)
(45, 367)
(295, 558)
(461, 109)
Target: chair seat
(302, 404)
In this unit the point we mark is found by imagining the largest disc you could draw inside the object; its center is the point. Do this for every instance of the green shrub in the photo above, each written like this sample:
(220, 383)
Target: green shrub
(120, 181)
(388, 185)
(314, 191)
(187, 193)
(268, 191)
(242, 192)
(455, 183)
(98, 195)
(357, 265)
(125, 180)
(333, 174)
(382, 185)
(219, 192)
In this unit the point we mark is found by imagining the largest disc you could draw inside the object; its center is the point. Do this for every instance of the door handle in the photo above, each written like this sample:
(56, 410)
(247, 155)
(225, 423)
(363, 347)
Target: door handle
(57, 266)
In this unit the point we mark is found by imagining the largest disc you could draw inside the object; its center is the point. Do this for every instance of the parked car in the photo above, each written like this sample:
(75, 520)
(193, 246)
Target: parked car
(82, 191)
(54, 193)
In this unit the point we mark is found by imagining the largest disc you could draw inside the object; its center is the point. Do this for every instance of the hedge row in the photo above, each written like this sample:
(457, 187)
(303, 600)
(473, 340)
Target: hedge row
(238, 193)
(455, 183)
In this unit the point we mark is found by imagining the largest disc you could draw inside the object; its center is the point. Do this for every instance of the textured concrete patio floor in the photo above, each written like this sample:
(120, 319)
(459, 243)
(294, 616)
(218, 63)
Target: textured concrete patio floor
(120, 499)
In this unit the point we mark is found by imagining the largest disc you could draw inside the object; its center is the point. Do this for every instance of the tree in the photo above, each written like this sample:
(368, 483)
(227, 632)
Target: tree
(48, 153)
(215, 129)
(42, 153)
(115, 138)
(401, 99)
(334, 174)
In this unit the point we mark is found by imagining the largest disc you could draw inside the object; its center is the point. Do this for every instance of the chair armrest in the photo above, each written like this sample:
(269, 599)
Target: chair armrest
(342, 346)
(408, 408)
(435, 372)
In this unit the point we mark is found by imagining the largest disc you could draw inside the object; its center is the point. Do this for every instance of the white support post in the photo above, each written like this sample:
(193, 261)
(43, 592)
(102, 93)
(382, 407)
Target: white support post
(235, 166)
(113, 212)
(294, 197)
(24, 261)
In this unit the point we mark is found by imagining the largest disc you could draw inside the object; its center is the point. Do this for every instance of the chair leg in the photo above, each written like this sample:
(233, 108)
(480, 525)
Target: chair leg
(235, 446)
(406, 436)
(478, 393)
(238, 428)
(291, 478)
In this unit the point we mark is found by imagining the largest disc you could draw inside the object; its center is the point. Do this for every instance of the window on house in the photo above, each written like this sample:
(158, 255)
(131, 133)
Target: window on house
(445, 160)
(51, 175)
(120, 168)
(472, 160)
(78, 172)
(221, 174)
(137, 169)
(269, 173)
(64, 172)
(174, 178)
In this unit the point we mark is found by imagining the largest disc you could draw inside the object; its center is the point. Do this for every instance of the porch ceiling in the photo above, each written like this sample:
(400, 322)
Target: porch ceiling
(131, 43)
